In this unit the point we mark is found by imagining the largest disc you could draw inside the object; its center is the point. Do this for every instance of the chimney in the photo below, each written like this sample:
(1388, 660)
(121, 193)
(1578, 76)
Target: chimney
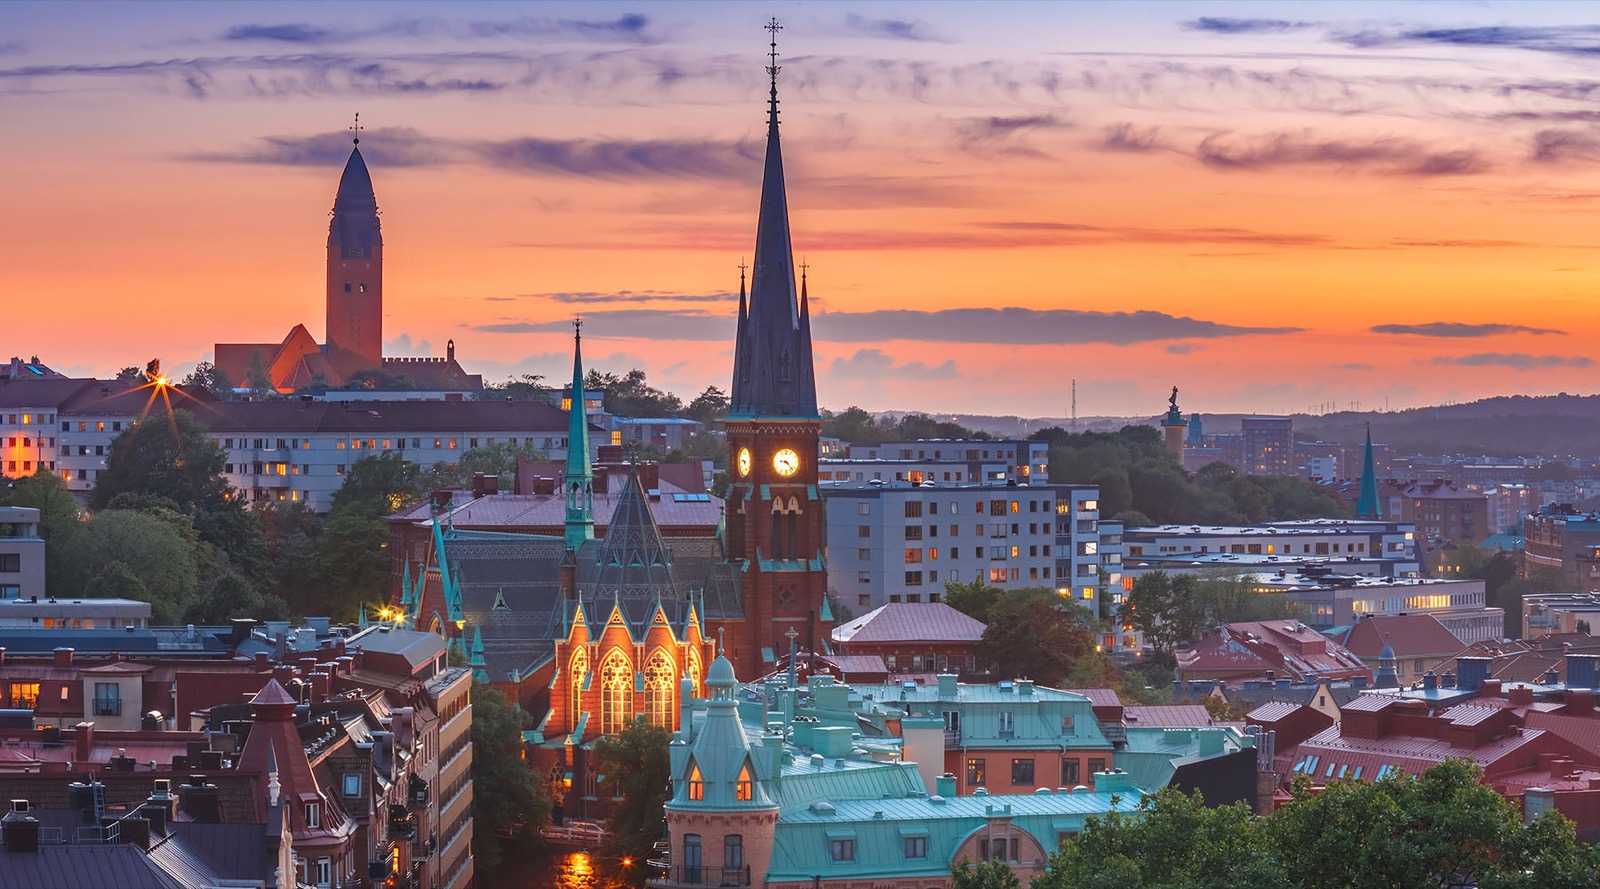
(18, 830)
(1490, 688)
(440, 500)
(1519, 696)
(947, 685)
(544, 485)
(1579, 701)
(135, 831)
(199, 800)
(83, 735)
(945, 785)
(63, 657)
(162, 807)
(1430, 682)
(483, 485)
(261, 661)
(650, 476)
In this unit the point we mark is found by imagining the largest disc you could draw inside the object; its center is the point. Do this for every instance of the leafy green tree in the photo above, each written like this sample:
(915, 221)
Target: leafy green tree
(1166, 609)
(1544, 854)
(378, 486)
(210, 377)
(228, 595)
(291, 531)
(527, 387)
(709, 406)
(137, 555)
(984, 875)
(973, 598)
(509, 804)
(172, 457)
(352, 565)
(631, 395)
(1171, 840)
(133, 375)
(639, 776)
(498, 459)
(851, 424)
(258, 378)
(60, 521)
(1045, 641)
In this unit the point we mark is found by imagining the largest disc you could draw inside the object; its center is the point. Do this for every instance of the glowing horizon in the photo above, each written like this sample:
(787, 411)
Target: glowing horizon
(1273, 206)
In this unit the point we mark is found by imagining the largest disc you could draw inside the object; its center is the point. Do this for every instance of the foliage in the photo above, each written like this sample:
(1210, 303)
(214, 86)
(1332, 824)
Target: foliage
(1509, 593)
(1170, 840)
(631, 395)
(709, 406)
(1440, 829)
(258, 378)
(210, 377)
(639, 775)
(498, 459)
(166, 457)
(291, 531)
(527, 387)
(984, 875)
(1174, 608)
(352, 563)
(509, 804)
(133, 375)
(228, 595)
(378, 486)
(377, 378)
(1045, 641)
(854, 424)
(138, 555)
(851, 424)
(60, 521)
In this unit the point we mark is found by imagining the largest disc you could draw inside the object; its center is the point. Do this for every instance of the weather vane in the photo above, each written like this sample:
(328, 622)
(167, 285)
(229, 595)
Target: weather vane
(357, 129)
(773, 69)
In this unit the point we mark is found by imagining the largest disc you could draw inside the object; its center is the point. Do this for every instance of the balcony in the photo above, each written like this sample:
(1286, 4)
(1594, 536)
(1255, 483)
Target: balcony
(422, 851)
(417, 797)
(107, 706)
(401, 825)
(695, 875)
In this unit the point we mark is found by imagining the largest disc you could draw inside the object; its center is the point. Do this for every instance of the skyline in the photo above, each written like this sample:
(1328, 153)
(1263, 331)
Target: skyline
(1272, 207)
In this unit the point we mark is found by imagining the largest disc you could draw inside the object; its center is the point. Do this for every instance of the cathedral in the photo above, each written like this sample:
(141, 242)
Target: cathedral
(354, 347)
(588, 634)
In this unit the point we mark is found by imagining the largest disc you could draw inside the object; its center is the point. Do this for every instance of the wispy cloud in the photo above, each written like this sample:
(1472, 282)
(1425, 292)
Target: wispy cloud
(1514, 360)
(1579, 40)
(387, 147)
(1223, 25)
(890, 29)
(875, 364)
(1132, 138)
(622, 296)
(632, 28)
(1013, 326)
(1564, 146)
(1387, 155)
(1458, 330)
(626, 159)
(1004, 134)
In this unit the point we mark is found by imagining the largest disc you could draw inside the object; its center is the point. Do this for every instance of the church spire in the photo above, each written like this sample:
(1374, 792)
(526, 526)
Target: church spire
(579, 481)
(1368, 505)
(773, 374)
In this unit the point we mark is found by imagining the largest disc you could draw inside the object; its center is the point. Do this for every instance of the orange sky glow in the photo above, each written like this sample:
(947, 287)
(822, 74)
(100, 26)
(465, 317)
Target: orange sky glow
(1277, 207)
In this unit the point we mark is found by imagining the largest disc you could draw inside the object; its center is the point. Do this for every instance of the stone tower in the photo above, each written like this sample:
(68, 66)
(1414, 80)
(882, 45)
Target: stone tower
(355, 274)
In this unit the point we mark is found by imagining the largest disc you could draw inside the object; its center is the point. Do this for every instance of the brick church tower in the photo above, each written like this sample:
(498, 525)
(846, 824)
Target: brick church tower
(355, 273)
(775, 528)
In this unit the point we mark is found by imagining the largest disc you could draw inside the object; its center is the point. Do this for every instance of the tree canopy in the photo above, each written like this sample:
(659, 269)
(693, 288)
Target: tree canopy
(1174, 608)
(509, 804)
(639, 775)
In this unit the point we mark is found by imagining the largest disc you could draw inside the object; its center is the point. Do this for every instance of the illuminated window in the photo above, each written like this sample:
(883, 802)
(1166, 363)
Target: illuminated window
(23, 695)
(616, 692)
(697, 784)
(744, 790)
(658, 674)
(580, 674)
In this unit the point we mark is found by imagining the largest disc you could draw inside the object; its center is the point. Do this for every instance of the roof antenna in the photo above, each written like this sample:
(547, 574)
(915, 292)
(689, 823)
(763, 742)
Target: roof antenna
(357, 129)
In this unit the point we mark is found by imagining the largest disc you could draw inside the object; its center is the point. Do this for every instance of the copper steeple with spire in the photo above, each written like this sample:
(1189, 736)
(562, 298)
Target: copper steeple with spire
(773, 374)
(579, 481)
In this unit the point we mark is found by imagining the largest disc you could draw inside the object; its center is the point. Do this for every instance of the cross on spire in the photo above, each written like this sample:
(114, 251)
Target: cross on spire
(772, 68)
(577, 324)
(357, 128)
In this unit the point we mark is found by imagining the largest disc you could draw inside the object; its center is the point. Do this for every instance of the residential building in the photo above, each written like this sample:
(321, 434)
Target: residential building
(1446, 516)
(976, 461)
(1285, 648)
(1268, 446)
(28, 409)
(35, 612)
(1548, 614)
(1509, 504)
(1382, 548)
(925, 638)
(1560, 537)
(21, 554)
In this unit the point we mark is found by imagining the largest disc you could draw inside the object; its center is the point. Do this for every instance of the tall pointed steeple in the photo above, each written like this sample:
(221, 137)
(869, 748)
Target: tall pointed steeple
(634, 561)
(579, 482)
(1367, 505)
(773, 374)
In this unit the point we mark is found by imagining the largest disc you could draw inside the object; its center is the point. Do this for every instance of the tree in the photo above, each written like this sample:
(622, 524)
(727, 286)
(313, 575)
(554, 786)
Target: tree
(631, 395)
(352, 566)
(60, 521)
(985, 875)
(498, 460)
(528, 387)
(508, 804)
(228, 595)
(165, 456)
(133, 375)
(851, 424)
(709, 406)
(258, 378)
(1044, 641)
(210, 377)
(130, 554)
(378, 486)
(973, 598)
(1166, 609)
(639, 775)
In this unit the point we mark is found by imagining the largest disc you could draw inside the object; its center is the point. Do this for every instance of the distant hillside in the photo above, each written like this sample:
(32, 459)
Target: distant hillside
(1507, 426)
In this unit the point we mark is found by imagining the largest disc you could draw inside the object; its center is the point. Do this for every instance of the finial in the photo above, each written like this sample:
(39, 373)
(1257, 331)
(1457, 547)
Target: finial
(721, 649)
(804, 267)
(577, 326)
(357, 130)
(742, 269)
(772, 68)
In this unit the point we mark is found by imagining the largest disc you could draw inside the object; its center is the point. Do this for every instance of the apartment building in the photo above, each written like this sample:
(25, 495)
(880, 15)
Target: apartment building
(952, 461)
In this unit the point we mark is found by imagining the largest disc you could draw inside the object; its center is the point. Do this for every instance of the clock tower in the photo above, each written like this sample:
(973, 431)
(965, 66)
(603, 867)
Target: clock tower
(775, 528)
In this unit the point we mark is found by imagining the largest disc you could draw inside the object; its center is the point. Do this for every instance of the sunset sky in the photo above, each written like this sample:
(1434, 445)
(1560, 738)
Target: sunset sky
(1275, 206)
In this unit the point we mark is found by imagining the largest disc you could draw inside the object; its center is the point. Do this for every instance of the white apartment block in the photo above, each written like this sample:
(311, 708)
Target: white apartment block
(1315, 538)
(898, 542)
(943, 461)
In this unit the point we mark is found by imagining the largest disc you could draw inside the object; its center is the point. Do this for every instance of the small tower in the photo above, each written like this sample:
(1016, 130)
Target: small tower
(1174, 427)
(355, 271)
(579, 481)
(1368, 506)
(1388, 675)
(721, 819)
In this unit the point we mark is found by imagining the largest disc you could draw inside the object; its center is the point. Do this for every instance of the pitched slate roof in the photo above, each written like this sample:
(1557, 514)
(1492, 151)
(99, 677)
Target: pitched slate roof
(1410, 635)
(910, 622)
(120, 866)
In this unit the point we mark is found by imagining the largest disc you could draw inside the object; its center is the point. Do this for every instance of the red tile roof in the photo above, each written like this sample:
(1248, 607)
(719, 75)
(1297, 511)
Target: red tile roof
(1168, 716)
(1410, 635)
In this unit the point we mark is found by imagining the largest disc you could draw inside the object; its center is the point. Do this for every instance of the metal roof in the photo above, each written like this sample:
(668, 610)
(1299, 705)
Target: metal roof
(119, 866)
(910, 622)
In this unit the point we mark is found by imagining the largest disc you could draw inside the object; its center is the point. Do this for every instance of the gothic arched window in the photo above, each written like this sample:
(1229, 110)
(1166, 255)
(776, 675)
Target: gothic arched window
(658, 673)
(616, 692)
(578, 674)
(695, 673)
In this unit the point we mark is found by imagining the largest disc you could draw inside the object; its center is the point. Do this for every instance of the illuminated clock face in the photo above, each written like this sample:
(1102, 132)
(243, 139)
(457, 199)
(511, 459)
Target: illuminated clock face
(786, 461)
(744, 461)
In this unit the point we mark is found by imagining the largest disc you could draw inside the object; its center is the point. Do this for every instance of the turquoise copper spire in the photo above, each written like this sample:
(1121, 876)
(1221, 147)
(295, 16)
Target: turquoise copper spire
(1367, 505)
(772, 369)
(579, 482)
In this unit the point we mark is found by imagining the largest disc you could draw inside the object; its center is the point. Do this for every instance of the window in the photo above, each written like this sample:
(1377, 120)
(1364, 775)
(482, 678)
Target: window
(916, 847)
(913, 509)
(863, 554)
(1069, 773)
(697, 784)
(691, 858)
(732, 852)
(313, 815)
(10, 563)
(324, 872)
(744, 788)
(1005, 722)
(658, 682)
(913, 557)
(1066, 722)
(352, 784)
(863, 531)
(842, 850)
(913, 532)
(107, 699)
(863, 508)
(913, 578)
(23, 695)
(616, 690)
(1022, 771)
(1097, 765)
(863, 577)
(579, 671)
(977, 772)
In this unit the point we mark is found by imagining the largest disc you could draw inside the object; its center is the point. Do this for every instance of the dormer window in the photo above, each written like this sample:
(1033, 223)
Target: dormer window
(697, 784)
(313, 816)
(745, 789)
